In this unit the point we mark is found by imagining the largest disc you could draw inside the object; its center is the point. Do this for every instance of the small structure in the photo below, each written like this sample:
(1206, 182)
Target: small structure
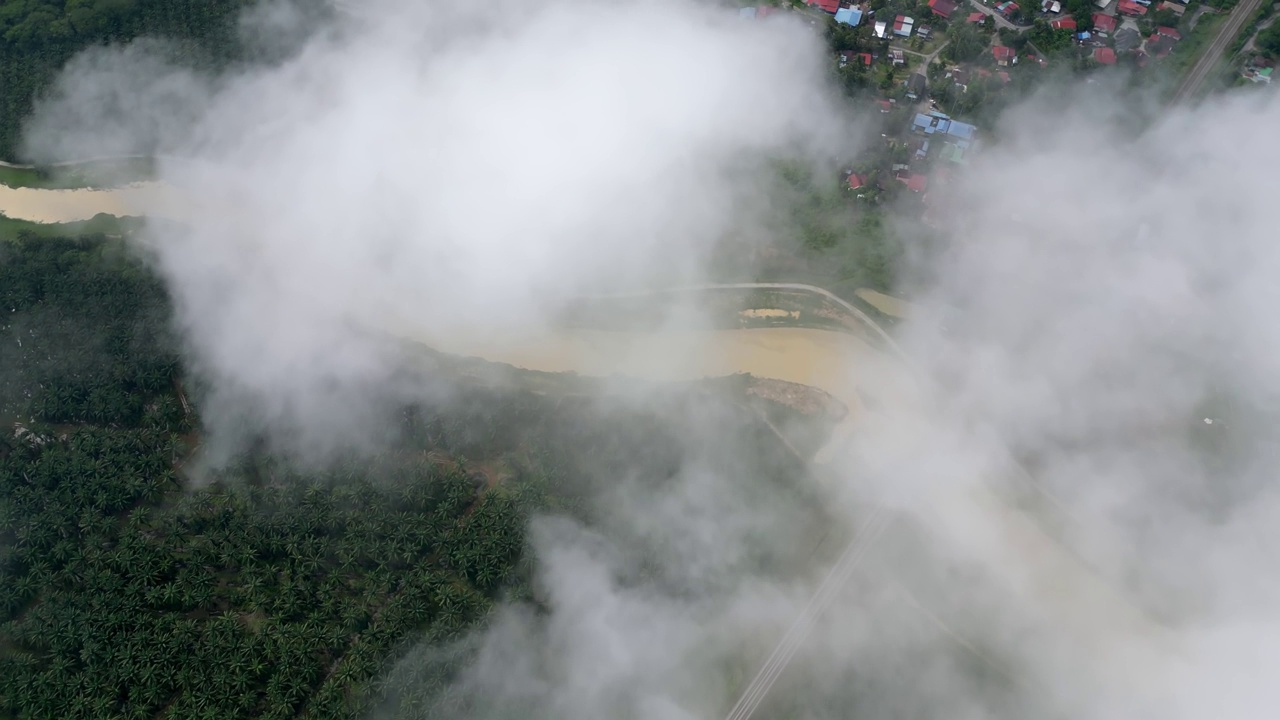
(1127, 39)
(851, 16)
(923, 32)
(1002, 55)
(977, 17)
(885, 105)
(1007, 8)
(1160, 45)
(1051, 6)
(1104, 23)
(856, 181)
(915, 86)
(1105, 56)
(942, 8)
(1066, 23)
(897, 57)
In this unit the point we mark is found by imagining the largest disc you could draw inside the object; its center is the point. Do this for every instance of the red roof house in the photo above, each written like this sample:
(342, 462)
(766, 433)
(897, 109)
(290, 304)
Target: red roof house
(1169, 32)
(1002, 54)
(917, 182)
(977, 17)
(1105, 55)
(1004, 76)
(855, 181)
(1104, 22)
(1129, 7)
(1066, 23)
(885, 106)
(943, 8)
(830, 6)
(865, 58)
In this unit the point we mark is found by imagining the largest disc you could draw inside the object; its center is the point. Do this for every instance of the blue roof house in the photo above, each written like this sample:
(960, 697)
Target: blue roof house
(849, 16)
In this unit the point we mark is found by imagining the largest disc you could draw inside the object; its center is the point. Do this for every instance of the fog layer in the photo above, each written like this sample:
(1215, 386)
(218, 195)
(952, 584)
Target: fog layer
(1105, 290)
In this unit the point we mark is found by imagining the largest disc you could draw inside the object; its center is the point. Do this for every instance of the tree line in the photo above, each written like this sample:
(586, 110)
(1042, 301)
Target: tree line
(268, 591)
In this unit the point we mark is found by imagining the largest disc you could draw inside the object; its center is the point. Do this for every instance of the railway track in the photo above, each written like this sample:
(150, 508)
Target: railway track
(1208, 61)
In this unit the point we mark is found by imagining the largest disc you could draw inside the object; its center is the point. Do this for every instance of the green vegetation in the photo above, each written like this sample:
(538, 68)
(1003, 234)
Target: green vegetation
(269, 591)
(37, 37)
(1189, 49)
(1269, 39)
(1048, 40)
(101, 173)
(101, 224)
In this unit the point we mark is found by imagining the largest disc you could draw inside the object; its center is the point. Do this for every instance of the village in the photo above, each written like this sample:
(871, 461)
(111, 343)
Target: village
(939, 71)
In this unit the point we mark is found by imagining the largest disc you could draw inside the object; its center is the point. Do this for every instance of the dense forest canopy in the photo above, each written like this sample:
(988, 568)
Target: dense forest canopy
(37, 37)
(125, 591)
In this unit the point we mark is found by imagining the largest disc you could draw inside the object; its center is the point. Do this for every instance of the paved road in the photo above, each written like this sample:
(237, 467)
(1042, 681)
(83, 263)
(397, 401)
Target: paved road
(1208, 61)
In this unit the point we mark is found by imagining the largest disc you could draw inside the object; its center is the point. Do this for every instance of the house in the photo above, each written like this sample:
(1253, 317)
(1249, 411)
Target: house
(1262, 75)
(880, 28)
(1104, 23)
(849, 56)
(942, 8)
(915, 86)
(922, 152)
(916, 182)
(1051, 6)
(1131, 8)
(1174, 7)
(1104, 55)
(849, 16)
(1066, 23)
(902, 26)
(1007, 8)
(1127, 39)
(1159, 45)
(830, 6)
(1002, 55)
(923, 32)
(897, 57)
(885, 105)
(856, 181)
(977, 17)
(1169, 32)
(961, 78)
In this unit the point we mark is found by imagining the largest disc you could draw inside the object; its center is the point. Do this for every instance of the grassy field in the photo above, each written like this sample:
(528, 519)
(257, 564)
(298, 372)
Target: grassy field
(101, 173)
(1193, 45)
(108, 225)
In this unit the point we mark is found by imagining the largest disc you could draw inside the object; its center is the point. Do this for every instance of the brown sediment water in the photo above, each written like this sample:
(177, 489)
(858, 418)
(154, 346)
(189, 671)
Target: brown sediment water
(62, 206)
(887, 304)
(843, 365)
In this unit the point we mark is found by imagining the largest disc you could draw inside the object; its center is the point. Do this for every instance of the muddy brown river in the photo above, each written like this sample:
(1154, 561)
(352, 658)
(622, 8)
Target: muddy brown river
(1095, 619)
